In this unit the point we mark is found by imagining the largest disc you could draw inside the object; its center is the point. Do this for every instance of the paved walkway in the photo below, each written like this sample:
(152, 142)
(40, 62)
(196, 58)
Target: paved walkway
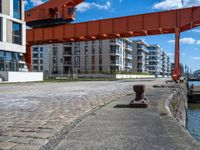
(33, 113)
(117, 127)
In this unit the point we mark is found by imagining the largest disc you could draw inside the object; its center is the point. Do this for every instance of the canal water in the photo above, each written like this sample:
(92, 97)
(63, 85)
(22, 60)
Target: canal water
(193, 114)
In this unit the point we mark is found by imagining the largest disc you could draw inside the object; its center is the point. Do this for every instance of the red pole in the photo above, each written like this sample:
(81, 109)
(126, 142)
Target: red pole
(176, 72)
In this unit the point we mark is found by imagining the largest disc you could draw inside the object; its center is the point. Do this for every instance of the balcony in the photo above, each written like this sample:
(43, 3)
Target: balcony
(142, 47)
(67, 63)
(141, 60)
(67, 53)
(115, 52)
(129, 56)
(114, 62)
(129, 47)
(116, 42)
(129, 65)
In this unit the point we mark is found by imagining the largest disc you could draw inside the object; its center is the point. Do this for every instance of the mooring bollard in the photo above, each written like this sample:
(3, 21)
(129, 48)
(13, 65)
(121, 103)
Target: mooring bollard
(140, 101)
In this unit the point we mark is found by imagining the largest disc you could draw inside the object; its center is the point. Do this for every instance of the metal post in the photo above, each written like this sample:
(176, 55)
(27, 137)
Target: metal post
(140, 101)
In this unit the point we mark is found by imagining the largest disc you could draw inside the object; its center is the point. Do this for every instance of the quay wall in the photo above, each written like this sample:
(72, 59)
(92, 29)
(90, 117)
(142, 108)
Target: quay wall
(177, 103)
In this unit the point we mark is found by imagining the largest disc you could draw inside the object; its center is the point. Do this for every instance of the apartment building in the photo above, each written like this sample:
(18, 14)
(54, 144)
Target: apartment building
(12, 35)
(140, 56)
(168, 66)
(164, 66)
(155, 61)
(83, 57)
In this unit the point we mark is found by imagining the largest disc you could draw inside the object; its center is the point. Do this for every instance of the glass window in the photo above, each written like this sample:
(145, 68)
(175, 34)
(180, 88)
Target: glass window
(1, 33)
(41, 55)
(17, 9)
(1, 60)
(17, 33)
(41, 49)
(0, 6)
(35, 68)
(8, 56)
(35, 49)
(41, 68)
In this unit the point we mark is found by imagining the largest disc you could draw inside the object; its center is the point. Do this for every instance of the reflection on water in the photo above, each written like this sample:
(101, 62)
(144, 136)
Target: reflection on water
(193, 124)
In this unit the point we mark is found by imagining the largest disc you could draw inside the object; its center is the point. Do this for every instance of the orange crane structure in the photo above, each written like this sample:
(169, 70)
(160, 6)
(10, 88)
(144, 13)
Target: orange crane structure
(50, 23)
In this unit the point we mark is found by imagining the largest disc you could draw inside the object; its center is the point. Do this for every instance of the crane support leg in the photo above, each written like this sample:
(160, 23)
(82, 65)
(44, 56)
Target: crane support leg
(176, 72)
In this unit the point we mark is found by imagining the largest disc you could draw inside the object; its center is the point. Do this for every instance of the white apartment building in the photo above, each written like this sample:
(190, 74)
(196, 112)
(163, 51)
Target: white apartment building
(140, 56)
(164, 64)
(155, 61)
(168, 66)
(12, 35)
(100, 56)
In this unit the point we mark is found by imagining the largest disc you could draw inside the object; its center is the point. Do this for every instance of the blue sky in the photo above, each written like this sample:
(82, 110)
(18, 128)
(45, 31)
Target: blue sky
(100, 9)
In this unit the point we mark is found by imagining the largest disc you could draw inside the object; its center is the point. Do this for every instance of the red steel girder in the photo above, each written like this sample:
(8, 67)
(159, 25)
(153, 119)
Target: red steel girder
(139, 25)
(166, 22)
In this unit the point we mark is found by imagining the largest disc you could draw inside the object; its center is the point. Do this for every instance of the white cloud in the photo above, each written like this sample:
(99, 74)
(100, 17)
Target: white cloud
(196, 30)
(196, 58)
(85, 6)
(173, 4)
(37, 2)
(187, 41)
(170, 54)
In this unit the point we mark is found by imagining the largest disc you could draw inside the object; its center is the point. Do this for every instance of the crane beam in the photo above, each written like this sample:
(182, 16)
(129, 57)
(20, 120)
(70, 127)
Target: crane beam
(130, 26)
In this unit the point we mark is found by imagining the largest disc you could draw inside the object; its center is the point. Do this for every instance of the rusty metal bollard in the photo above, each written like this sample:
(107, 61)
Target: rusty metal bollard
(140, 101)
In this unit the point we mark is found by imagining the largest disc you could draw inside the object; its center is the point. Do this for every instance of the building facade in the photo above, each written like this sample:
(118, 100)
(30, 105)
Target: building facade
(12, 35)
(155, 60)
(100, 56)
(140, 56)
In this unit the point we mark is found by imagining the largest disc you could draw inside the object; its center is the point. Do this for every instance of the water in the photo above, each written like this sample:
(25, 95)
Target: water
(193, 124)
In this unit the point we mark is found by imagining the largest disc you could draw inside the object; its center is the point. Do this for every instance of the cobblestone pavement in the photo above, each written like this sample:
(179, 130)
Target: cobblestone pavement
(32, 113)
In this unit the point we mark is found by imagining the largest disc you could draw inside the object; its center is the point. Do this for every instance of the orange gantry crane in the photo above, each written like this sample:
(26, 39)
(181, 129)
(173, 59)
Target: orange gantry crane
(50, 23)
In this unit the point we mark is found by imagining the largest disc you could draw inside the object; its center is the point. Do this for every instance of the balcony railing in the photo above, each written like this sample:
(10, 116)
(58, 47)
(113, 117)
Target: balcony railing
(129, 56)
(129, 64)
(67, 63)
(143, 48)
(115, 62)
(116, 51)
(67, 53)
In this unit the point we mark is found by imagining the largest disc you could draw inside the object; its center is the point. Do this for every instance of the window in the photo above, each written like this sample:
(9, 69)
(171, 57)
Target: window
(1, 60)
(77, 60)
(35, 55)
(1, 33)
(41, 68)
(35, 49)
(77, 51)
(41, 61)
(55, 50)
(0, 6)
(41, 55)
(100, 60)
(41, 49)
(17, 33)
(17, 9)
(35, 61)
(35, 68)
